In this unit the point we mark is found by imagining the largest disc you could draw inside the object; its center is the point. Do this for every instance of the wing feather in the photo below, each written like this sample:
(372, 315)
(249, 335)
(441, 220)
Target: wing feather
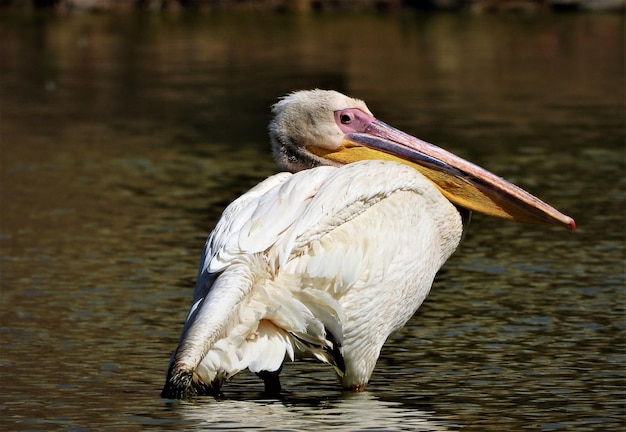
(344, 195)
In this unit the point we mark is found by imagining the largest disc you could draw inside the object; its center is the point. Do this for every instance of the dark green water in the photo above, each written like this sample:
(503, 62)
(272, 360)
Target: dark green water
(124, 136)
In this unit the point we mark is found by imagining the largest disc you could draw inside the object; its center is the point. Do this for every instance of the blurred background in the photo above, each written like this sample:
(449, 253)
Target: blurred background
(318, 5)
(127, 127)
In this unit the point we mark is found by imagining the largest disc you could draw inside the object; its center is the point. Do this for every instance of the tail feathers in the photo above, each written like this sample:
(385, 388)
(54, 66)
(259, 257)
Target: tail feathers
(268, 350)
(330, 352)
(313, 319)
(265, 326)
(334, 350)
(261, 350)
(264, 350)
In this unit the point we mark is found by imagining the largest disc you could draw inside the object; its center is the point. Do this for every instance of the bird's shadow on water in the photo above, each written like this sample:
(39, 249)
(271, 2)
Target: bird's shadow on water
(307, 403)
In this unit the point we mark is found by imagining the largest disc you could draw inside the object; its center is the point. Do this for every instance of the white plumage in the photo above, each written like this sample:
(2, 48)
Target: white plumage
(303, 255)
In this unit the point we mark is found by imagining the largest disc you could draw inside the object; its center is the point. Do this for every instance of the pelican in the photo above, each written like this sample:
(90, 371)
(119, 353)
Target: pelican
(336, 253)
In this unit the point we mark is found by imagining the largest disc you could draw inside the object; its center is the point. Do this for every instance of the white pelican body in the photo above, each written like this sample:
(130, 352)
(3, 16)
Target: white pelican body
(331, 259)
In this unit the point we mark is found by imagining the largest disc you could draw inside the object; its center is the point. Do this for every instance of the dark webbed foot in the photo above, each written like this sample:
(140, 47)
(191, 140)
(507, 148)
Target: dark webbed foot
(181, 384)
(214, 389)
(177, 384)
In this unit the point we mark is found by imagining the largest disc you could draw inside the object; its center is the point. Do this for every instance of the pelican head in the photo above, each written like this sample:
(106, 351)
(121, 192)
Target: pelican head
(324, 127)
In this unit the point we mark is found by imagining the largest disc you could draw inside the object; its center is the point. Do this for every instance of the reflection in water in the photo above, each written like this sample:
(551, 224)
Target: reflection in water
(353, 412)
(123, 138)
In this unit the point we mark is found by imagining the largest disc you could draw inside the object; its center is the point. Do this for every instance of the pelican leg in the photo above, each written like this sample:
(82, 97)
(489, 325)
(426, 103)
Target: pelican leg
(271, 380)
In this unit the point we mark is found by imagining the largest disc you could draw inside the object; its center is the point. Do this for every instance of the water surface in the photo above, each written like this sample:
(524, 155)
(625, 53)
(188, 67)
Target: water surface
(124, 136)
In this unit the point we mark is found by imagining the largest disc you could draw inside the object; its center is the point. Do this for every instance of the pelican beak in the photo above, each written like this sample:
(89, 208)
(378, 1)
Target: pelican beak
(463, 183)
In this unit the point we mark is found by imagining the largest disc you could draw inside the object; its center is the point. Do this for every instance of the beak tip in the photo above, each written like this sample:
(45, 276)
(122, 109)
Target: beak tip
(572, 224)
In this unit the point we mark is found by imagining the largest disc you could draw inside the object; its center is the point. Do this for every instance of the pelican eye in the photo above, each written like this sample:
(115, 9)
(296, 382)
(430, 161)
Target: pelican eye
(346, 118)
